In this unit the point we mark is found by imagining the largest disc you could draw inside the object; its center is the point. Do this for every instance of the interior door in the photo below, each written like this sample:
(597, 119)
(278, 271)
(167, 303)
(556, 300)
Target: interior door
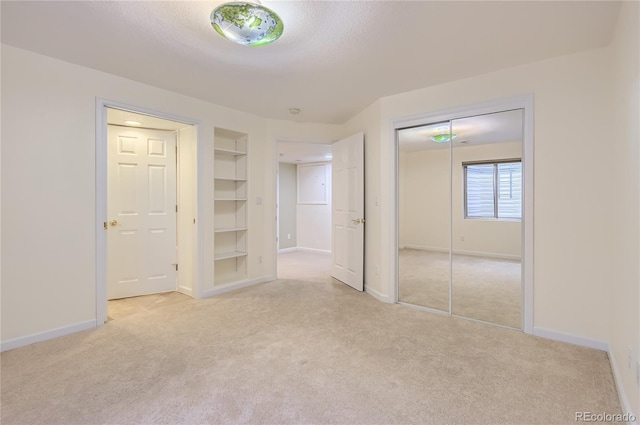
(141, 208)
(347, 217)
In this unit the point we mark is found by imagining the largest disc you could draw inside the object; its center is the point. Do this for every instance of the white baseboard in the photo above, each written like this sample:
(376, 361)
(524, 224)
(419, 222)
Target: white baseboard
(46, 335)
(377, 295)
(462, 252)
(424, 248)
(320, 251)
(283, 250)
(624, 400)
(488, 255)
(185, 290)
(235, 285)
(571, 339)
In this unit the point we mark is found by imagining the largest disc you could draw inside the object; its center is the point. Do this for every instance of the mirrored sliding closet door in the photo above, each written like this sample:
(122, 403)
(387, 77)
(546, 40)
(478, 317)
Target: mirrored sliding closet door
(424, 216)
(460, 189)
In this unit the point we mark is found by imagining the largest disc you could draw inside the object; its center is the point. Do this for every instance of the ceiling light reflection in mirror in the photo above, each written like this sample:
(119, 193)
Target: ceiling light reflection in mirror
(482, 129)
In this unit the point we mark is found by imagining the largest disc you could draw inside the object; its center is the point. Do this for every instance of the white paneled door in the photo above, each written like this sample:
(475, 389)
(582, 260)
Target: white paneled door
(141, 209)
(347, 217)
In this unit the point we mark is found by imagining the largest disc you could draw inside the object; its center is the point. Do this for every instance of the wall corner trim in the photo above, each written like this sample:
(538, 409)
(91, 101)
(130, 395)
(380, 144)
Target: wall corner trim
(376, 294)
(46, 335)
(185, 290)
(622, 395)
(571, 339)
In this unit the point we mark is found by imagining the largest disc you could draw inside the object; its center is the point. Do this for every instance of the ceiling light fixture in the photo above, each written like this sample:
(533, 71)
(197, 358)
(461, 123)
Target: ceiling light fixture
(442, 138)
(249, 24)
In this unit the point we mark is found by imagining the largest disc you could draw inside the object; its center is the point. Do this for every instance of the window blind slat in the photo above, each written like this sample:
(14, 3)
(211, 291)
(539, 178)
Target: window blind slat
(510, 190)
(480, 190)
(491, 184)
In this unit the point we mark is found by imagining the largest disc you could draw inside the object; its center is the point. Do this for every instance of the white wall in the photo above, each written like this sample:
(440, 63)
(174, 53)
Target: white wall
(624, 211)
(572, 250)
(424, 195)
(287, 205)
(423, 192)
(302, 132)
(48, 186)
(314, 220)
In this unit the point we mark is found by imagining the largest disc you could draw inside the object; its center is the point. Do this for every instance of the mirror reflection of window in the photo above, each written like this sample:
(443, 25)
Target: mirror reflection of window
(493, 190)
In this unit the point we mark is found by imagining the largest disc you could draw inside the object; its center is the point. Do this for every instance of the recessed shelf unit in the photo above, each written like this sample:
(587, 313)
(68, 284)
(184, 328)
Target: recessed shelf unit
(230, 209)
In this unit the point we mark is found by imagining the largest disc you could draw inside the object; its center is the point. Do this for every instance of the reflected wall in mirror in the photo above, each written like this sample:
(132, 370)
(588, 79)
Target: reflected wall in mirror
(424, 174)
(487, 218)
(459, 216)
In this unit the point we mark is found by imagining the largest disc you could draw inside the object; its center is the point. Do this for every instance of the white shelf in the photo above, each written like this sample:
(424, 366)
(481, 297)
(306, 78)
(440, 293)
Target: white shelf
(230, 229)
(231, 179)
(233, 254)
(230, 194)
(229, 152)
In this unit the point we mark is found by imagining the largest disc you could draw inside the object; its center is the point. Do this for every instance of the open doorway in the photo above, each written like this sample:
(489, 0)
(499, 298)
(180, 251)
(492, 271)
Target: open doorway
(146, 195)
(303, 211)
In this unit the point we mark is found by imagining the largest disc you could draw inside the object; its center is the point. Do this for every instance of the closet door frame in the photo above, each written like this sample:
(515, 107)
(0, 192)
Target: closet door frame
(525, 103)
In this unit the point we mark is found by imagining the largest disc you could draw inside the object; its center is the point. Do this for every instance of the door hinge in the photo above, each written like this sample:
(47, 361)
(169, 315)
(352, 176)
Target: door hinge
(105, 225)
(176, 208)
(176, 266)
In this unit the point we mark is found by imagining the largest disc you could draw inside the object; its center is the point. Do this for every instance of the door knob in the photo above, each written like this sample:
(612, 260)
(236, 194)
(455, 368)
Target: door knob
(357, 220)
(113, 222)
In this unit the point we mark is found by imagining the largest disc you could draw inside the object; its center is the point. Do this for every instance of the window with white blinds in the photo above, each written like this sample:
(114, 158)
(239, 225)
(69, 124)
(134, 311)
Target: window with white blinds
(493, 189)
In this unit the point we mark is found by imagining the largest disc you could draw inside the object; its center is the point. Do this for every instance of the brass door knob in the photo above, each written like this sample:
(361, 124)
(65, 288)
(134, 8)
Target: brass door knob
(113, 222)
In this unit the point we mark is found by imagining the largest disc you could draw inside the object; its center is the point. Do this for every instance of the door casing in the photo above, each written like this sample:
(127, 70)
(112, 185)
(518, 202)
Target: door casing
(101, 197)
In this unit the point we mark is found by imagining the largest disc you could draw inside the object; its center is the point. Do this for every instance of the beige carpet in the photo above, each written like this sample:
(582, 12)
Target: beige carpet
(124, 307)
(305, 266)
(486, 289)
(301, 352)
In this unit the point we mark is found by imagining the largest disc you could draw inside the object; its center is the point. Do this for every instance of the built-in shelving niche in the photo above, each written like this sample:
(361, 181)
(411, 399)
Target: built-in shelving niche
(230, 194)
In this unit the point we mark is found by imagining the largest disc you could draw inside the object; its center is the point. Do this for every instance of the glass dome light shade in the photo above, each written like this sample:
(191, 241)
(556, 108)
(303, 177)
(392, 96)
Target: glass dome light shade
(444, 137)
(245, 23)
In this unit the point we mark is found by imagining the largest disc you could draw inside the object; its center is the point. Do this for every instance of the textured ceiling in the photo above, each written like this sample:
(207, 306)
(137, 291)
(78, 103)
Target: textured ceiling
(334, 59)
